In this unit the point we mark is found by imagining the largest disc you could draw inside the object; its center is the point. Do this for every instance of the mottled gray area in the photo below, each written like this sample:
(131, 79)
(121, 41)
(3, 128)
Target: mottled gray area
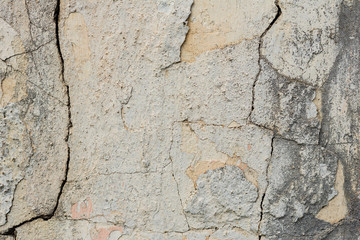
(223, 196)
(341, 127)
(302, 176)
(286, 106)
(300, 184)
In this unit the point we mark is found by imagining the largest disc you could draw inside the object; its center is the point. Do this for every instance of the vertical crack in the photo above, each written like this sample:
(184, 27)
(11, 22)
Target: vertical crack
(267, 180)
(178, 192)
(278, 14)
(122, 113)
(12, 231)
(66, 86)
(173, 175)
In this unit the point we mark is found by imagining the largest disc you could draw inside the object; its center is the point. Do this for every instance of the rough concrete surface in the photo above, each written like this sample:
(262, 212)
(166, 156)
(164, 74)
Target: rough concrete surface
(179, 119)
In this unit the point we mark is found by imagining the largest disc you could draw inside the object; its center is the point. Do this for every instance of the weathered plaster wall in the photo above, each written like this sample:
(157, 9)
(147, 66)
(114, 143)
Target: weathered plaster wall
(179, 119)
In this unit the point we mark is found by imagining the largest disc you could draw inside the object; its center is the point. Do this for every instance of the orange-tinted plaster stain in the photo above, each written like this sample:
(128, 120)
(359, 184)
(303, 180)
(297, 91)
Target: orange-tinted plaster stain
(82, 210)
(104, 232)
(242, 166)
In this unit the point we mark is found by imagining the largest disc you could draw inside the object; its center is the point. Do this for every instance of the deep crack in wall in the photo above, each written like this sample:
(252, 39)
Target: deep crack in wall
(189, 120)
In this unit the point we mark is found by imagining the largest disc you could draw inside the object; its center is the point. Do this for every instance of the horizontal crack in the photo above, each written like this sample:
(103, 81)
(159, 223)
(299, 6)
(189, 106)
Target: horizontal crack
(27, 52)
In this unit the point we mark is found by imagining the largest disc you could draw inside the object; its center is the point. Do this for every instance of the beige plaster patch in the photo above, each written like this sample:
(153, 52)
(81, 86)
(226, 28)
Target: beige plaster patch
(208, 158)
(336, 209)
(219, 23)
(77, 34)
